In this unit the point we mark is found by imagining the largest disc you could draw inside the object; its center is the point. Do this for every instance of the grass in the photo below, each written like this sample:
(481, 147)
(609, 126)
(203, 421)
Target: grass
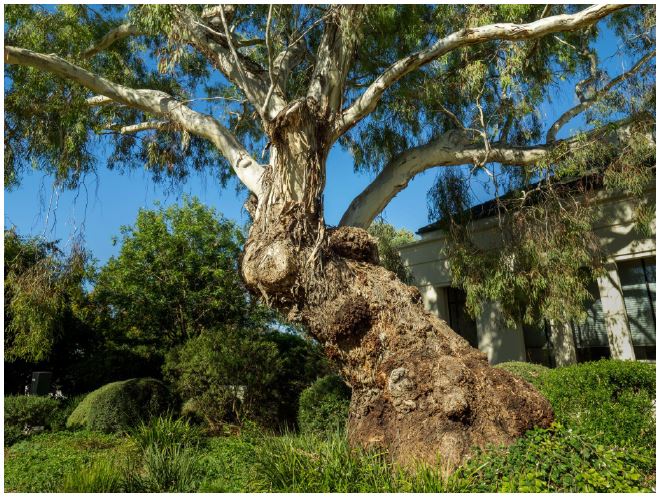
(41, 463)
(578, 454)
(556, 460)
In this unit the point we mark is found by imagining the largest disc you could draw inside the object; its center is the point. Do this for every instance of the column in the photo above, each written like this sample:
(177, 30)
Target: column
(563, 344)
(500, 342)
(614, 313)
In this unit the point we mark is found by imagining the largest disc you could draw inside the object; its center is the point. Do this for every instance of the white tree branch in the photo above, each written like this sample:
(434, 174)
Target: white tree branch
(136, 128)
(119, 33)
(242, 72)
(99, 101)
(333, 58)
(367, 102)
(152, 101)
(567, 116)
(455, 148)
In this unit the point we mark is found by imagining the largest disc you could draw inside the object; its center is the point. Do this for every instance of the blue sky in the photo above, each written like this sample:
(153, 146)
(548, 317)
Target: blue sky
(111, 199)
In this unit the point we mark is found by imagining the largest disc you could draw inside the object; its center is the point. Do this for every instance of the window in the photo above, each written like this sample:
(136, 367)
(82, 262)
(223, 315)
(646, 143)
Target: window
(591, 340)
(459, 320)
(638, 286)
(538, 347)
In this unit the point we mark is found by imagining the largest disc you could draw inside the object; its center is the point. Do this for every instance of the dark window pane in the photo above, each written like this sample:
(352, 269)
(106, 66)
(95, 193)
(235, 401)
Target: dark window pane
(638, 286)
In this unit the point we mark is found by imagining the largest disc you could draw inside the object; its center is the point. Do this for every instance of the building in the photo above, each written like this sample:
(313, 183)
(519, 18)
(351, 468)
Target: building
(620, 322)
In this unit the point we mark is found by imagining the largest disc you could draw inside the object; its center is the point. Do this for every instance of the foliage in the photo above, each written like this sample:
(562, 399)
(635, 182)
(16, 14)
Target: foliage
(229, 463)
(42, 463)
(43, 297)
(557, 460)
(389, 239)
(168, 459)
(323, 406)
(166, 432)
(613, 400)
(100, 477)
(164, 458)
(545, 253)
(221, 378)
(300, 362)
(176, 275)
(608, 399)
(309, 463)
(24, 413)
(545, 260)
(64, 410)
(117, 406)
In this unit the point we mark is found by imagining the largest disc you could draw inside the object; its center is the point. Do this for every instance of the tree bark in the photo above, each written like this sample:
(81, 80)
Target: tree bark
(419, 390)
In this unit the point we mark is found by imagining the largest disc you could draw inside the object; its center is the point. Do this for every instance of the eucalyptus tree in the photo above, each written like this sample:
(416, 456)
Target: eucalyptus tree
(264, 92)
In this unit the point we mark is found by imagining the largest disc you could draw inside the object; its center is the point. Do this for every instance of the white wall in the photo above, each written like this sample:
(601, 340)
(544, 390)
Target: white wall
(615, 228)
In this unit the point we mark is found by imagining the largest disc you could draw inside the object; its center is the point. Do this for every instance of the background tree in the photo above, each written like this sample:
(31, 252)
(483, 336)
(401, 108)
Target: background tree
(405, 88)
(176, 274)
(389, 239)
(46, 309)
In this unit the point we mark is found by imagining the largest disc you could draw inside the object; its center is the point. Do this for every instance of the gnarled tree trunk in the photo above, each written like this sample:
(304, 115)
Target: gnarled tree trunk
(419, 389)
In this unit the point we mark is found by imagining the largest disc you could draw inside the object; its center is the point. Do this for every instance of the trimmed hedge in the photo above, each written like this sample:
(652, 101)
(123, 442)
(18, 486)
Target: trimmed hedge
(610, 399)
(557, 459)
(25, 413)
(323, 406)
(118, 406)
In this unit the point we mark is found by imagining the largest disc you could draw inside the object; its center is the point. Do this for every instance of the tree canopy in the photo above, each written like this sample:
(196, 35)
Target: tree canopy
(404, 88)
(176, 274)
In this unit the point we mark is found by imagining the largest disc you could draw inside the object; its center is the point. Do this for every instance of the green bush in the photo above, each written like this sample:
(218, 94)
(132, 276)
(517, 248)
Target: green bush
(238, 387)
(118, 406)
(556, 460)
(528, 371)
(610, 399)
(165, 432)
(323, 406)
(25, 413)
(65, 408)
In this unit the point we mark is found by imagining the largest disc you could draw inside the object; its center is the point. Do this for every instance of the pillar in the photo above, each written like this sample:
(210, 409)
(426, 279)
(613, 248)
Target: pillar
(614, 314)
(500, 342)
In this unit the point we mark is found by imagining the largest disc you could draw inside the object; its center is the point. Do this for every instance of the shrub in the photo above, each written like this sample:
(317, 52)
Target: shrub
(65, 408)
(528, 371)
(166, 432)
(610, 399)
(25, 413)
(118, 406)
(170, 469)
(556, 460)
(324, 405)
(236, 387)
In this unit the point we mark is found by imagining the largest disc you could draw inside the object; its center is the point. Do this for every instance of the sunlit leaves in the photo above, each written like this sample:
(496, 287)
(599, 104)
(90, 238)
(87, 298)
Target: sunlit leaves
(43, 289)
